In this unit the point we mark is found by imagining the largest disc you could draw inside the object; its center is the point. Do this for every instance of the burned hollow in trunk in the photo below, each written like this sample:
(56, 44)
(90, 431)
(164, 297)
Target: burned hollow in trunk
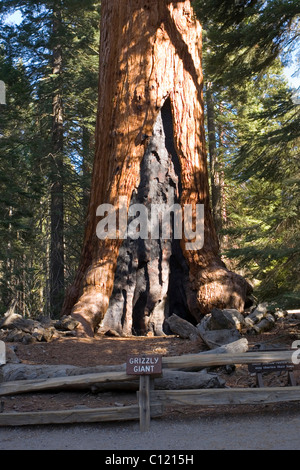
(152, 274)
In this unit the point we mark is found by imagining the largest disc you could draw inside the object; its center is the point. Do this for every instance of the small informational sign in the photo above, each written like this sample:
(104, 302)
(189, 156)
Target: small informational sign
(271, 367)
(2, 353)
(144, 365)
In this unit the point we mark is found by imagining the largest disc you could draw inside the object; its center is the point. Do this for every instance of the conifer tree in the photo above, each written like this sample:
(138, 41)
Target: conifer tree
(20, 186)
(58, 44)
(259, 123)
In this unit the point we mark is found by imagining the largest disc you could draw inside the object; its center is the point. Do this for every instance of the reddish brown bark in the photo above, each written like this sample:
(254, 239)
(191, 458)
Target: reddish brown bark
(150, 51)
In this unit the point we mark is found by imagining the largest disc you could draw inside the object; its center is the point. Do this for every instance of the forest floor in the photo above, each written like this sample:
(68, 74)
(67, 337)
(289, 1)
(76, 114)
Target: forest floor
(102, 350)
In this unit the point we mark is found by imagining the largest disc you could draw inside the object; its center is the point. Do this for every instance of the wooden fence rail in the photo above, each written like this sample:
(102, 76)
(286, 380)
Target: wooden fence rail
(226, 396)
(92, 415)
(210, 360)
(151, 402)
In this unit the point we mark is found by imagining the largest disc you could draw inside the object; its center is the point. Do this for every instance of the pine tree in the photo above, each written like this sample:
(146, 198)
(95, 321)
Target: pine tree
(58, 43)
(246, 36)
(20, 188)
(256, 136)
(264, 201)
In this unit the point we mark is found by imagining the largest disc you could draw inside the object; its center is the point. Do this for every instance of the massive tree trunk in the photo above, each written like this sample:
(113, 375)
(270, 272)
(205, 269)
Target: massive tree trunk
(150, 148)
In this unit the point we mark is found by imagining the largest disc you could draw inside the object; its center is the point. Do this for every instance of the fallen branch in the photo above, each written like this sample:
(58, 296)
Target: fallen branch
(266, 324)
(61, 383)
(14, 372)
(101, 381)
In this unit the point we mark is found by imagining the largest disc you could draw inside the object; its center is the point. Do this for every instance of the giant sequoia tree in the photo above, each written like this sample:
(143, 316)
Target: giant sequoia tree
(150, 149)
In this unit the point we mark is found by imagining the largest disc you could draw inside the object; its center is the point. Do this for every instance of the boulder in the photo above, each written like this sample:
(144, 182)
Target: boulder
(17, 336)
(226, 319)
(213, 331)
(279, 314)
(217, 338)
(66, 323)
(11, 356)
(182, 328)
(15, 328)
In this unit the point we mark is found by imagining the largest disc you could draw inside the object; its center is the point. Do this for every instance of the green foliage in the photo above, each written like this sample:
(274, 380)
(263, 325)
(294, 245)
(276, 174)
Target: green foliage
(26, 141)
(244, 37)
(266, 170)
(257, 124)
(20, 186)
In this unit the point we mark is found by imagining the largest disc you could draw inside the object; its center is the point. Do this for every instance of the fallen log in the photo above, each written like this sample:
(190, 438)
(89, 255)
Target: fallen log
(99, 381)
(62, 383)
(179, 380)
(172, 380)
(14, 372)
(226, 319)
(11, 372)
(182, 328)
(256, 315)
(266, 324)
(237, 347)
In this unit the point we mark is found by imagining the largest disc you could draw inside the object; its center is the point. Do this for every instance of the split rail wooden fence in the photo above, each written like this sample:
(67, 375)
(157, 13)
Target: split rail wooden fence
(151, 402)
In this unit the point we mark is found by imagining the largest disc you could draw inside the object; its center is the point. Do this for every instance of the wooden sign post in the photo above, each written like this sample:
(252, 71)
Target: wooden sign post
(147, 367)
(144, 403)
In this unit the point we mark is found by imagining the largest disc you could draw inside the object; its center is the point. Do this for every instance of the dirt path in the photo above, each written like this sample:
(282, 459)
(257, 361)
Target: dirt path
(267, 430)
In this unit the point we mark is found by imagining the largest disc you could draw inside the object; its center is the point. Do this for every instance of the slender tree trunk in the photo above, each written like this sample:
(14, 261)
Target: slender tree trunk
(56, 176)
(85, 167)
(9, 260)
(150, 70)
(215, 170)
(223, 238)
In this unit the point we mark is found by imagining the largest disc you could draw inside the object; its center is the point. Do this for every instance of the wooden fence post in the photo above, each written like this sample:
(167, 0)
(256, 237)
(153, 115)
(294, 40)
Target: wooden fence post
(144, 403)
